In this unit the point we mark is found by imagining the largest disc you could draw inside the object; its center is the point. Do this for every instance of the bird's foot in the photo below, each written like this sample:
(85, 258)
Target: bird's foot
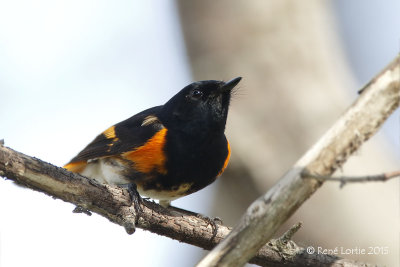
(214, 222)
(135, 197)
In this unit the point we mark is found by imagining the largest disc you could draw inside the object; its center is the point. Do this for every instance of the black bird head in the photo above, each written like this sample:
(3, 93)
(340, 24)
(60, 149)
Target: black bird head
(200, 105)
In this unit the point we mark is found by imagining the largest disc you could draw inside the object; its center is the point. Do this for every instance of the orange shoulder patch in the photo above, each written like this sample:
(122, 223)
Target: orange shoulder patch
(150, 156)
(226, 160)
(76, 166)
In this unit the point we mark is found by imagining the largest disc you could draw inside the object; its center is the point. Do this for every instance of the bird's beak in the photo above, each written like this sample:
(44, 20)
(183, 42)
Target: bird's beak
(228, 86)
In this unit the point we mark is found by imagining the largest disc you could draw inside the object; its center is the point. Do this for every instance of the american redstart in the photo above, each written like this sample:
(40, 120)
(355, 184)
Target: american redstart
(167, 151)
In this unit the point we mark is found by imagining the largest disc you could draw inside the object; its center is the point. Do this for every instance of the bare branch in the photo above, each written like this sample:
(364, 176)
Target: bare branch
(114, 204)
(354, 179)
(378, 100)
(284, 244)
(287, 236)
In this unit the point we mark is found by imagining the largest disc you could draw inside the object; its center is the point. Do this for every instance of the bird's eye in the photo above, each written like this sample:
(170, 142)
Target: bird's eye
(197, 94)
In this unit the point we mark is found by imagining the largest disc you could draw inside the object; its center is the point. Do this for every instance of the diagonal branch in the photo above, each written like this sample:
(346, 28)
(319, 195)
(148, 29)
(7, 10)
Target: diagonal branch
(379, 98)
(114, 204)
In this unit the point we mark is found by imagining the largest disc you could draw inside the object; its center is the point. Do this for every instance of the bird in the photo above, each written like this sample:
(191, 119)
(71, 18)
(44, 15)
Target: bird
(167, 151)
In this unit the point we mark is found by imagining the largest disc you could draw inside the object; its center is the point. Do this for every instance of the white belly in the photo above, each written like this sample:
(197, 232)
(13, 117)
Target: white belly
(106, 172)
(110, 172)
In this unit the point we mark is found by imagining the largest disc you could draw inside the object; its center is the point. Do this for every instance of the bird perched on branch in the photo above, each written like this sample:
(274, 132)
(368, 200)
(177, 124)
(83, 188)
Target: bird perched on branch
(167, 151)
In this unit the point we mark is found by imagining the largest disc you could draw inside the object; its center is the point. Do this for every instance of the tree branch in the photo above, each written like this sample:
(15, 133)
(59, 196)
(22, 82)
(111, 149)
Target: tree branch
(354, 179)
(378, 100)
(114, 204)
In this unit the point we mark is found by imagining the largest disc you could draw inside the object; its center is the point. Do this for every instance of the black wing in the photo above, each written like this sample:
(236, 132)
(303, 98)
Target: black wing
(124, 136)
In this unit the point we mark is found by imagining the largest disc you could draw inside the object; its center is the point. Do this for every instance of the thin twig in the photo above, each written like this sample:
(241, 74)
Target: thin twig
(284, 245)
(354, 179)
(287, 236)
(283, 242)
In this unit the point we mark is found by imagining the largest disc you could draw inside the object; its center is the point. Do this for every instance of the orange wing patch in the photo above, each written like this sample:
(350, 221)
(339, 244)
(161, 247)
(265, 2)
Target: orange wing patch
(110, 133)
(150, 156)
(77, 167)
(226, 160)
